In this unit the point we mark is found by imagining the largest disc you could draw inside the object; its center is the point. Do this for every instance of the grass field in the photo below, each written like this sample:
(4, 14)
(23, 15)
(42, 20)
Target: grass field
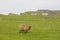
(43, 27)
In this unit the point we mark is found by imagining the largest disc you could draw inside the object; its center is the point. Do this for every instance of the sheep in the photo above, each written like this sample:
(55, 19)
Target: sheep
(24, 28)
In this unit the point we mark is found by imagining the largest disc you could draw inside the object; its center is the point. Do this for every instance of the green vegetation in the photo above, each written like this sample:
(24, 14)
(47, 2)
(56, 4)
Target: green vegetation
(43, 27)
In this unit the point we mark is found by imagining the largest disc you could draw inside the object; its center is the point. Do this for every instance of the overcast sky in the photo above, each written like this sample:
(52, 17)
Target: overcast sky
(18, 6)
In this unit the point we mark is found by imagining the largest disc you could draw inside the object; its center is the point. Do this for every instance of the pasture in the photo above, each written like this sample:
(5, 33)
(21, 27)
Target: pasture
(43, 27)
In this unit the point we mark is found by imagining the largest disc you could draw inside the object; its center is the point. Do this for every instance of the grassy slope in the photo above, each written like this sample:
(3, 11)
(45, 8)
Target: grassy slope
(43, 28)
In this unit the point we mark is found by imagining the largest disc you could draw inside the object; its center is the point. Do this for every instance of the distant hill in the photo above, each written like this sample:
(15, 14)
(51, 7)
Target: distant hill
(40, 12)
(37, 12)
(57, 12)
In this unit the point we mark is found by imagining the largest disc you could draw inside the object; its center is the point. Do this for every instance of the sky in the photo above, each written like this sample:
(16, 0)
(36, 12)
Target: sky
(20, 6)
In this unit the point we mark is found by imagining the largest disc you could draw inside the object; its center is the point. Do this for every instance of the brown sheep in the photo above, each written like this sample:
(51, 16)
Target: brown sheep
(24, 28)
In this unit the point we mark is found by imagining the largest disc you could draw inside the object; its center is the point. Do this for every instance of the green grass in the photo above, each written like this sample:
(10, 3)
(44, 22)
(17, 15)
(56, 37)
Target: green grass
(43, 28)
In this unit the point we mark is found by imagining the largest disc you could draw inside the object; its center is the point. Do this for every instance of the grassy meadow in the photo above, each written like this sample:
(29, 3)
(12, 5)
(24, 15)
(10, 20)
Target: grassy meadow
(43, 27)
